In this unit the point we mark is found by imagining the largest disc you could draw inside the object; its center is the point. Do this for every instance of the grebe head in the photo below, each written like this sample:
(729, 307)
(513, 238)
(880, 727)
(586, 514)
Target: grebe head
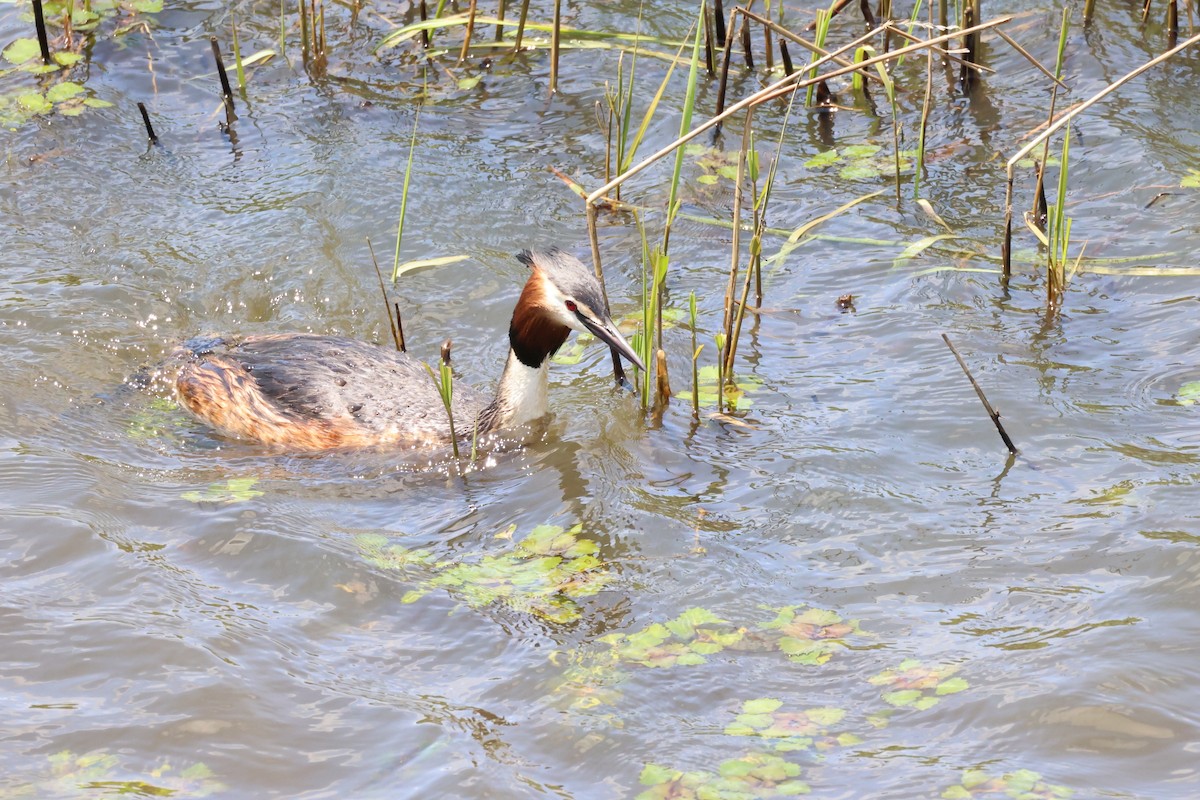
(561, 294)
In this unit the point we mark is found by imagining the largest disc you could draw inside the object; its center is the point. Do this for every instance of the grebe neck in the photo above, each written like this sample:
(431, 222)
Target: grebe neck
(533, 337)
(521, 396)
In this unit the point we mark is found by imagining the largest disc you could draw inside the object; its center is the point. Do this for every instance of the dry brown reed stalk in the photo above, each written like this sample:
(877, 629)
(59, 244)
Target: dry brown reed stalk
(970, 43)
(521, 26)
(784, 33)
(146, 120)
(992, 412)
(1039, 203)
(662, 384)
(393, 322)
(746, 47)
(555, 37)
(39, 23)
(1006, 248)
(466, 46)
(226, 90)
(733, 320)
(710, 64)
(783, 86)
(949, 55)
(500, 16)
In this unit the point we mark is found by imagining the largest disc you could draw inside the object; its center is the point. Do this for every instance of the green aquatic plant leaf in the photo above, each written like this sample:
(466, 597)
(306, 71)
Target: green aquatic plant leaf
(1188, 394)
(542, 575)
(1191, 180)
(823, 159)
(914, 685)
(66, 58)
(789, 731)
(233, 490)
(736, 393)
(34, 103)
(63, 91)
(756, 775)
(810, 635)
(1023, 784)
(860, 151)
(22, 50)
(67, 774)
(683, 641)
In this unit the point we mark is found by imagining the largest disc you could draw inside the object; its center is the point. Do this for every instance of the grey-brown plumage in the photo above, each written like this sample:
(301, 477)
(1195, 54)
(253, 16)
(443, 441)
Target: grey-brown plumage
(310, 392)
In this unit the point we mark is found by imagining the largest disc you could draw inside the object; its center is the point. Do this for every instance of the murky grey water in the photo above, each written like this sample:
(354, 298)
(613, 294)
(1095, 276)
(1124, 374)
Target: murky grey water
(182, 612)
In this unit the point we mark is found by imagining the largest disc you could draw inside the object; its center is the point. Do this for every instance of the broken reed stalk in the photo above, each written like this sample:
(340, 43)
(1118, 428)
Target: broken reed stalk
(695, 355)
(39, 22)
(786, 58)
(735, 247)
(1039, 209)
(466, 46)
(768, 45)
(864, 6)
(816, 49)
(746, 45)
(733, 320)
(146, 121)
(970, 42)
(226, 90)
(521, 26)
(1172, 22)
(992, 412)
(304, 46)
(425, 40)
(723, 82)
(926, 106)
(594, 237)
(392, 322)
(555, 41)
(1065, 119)
(661, 382)
(709, 61)
(500, 16)
(444, 381)
(946, 54)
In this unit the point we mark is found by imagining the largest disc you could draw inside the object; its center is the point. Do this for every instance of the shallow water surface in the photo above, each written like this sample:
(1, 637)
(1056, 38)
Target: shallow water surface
(845, 587)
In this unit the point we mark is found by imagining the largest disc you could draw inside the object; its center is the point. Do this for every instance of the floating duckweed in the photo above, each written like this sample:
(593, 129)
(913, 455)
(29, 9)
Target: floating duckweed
(862, 161)
(811, 635)
(790, 730)
(751, 776)
(914, 685)
(685, 640)
(542, 575)
(72, 775)
(1023, 783)
(234, 490)
(736, 392)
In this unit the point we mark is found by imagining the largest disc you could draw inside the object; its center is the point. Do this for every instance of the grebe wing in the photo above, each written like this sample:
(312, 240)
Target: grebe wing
(334, 378)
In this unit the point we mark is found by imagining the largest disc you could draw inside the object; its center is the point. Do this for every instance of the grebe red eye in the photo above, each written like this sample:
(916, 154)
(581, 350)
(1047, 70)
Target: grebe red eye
(571, 306)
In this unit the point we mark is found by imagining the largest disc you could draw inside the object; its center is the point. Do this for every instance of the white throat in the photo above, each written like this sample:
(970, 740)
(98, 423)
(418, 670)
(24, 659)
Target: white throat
(522, 393)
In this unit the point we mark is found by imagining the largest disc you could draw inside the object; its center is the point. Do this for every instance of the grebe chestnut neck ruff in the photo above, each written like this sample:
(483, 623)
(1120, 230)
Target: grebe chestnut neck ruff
(308, 392)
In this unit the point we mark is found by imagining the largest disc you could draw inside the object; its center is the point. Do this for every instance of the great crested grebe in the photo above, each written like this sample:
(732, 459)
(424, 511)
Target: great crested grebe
(309, 392)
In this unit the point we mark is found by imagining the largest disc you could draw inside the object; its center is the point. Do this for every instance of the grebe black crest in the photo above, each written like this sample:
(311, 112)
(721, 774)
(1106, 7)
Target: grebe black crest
(307, 392)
